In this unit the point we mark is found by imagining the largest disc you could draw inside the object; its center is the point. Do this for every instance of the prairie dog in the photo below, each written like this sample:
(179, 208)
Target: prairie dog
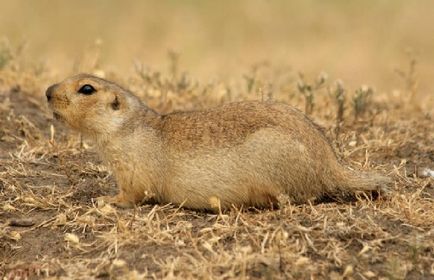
(241, 154)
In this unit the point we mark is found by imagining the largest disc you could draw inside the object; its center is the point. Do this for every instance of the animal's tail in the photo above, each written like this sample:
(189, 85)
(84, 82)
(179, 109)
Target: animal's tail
(350, 182)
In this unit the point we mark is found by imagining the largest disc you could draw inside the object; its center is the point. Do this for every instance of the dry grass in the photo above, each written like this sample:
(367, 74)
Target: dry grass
(51, 228)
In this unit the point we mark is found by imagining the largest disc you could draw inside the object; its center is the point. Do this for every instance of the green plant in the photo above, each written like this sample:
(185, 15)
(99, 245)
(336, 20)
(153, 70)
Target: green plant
(308, 90)
(361, 101)
(410, 76)
(5, 56)
(339, 97)
(7, 53)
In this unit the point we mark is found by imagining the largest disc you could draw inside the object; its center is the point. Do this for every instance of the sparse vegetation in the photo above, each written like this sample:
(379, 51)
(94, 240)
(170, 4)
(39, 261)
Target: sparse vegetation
(338, 93)
(361, 101)
(51, 228)
(409, 76)
(308, 90)
(5, 54)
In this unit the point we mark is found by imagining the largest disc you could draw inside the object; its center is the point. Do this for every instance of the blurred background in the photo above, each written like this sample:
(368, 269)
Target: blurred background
(356, 41)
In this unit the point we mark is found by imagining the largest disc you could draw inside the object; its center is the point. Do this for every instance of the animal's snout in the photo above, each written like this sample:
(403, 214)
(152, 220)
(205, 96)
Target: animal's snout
(49, 92)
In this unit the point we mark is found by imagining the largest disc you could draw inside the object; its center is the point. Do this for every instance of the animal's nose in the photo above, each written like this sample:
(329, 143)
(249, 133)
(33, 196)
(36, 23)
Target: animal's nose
(49, 91)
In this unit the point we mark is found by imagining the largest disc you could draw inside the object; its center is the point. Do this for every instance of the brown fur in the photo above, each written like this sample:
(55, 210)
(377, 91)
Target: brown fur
(245, 153)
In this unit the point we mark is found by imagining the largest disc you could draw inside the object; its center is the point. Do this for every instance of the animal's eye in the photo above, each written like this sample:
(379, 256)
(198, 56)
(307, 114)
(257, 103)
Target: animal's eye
(87, 89)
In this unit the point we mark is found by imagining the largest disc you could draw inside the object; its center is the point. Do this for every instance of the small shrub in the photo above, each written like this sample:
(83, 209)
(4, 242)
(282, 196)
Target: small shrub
(361, 101)
(309, 90)
(410, 76)
(6, 54)
(339, 97)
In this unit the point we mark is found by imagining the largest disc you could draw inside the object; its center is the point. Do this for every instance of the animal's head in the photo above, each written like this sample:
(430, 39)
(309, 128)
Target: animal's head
(92, 105)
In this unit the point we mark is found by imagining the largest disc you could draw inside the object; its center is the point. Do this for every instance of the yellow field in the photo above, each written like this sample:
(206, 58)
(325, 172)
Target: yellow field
(184, 55)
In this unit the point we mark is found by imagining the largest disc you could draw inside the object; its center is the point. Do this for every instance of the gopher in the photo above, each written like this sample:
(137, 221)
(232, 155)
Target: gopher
(238, 154)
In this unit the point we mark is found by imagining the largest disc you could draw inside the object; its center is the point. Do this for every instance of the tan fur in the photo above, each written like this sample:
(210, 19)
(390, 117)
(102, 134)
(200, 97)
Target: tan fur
(245, 153)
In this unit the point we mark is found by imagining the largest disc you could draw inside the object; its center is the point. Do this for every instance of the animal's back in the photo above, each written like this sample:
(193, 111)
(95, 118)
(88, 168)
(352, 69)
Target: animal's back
(229, 125)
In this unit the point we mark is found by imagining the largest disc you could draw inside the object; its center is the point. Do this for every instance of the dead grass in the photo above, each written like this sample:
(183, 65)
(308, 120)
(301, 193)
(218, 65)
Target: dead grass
(50, 227)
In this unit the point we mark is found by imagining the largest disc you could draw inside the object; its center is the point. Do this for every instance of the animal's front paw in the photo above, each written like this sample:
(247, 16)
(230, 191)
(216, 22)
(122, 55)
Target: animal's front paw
(117, 200)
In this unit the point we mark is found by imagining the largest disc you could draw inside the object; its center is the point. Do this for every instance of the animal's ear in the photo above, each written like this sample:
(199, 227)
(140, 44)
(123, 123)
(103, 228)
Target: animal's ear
(116, 103)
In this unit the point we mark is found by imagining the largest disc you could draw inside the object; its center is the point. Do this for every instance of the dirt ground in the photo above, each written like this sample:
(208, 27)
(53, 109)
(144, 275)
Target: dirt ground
(50, 226)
